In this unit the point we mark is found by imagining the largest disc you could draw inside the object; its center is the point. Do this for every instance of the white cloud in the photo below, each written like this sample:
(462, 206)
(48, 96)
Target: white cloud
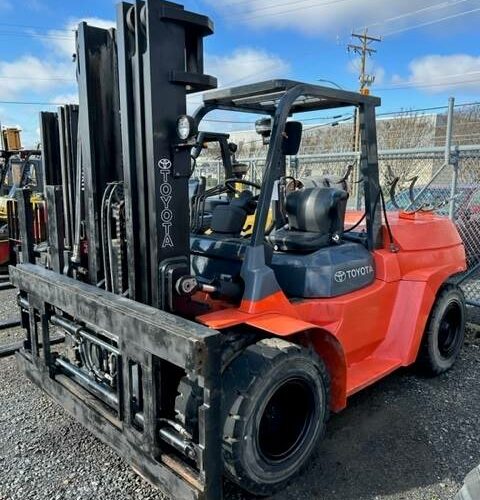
(437, 73)
(245, 65)
(331, 16)
(33, 75)
(65, 98)
(50, 78)
(63, 41)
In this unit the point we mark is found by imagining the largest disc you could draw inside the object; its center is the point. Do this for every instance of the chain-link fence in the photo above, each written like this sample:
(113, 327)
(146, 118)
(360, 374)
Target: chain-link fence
(432, 159)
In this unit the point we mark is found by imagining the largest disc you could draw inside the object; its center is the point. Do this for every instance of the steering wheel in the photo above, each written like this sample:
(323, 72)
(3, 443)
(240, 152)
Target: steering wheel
(230, 185)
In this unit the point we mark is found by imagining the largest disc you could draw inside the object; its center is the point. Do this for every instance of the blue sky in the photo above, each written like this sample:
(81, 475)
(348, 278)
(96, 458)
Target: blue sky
(420, 62)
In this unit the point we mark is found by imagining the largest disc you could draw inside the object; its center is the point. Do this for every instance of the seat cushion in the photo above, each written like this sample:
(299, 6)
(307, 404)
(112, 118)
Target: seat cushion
(288, 240)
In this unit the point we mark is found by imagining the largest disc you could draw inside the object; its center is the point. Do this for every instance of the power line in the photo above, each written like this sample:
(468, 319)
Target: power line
(314, 127)
(253, 14)
(414, 83)
(34, 103)
(314, 118)
(37, 79)
(336, 119)
(429, 23)
(235, 2)
(52, 32)
(418, 11)
(238, 3)
(395, 112)
(43, 28)
(430, 85)
(288, 11)
(36, 35)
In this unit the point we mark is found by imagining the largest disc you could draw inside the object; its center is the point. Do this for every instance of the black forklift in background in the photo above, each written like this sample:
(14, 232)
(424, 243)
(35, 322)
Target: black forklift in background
(196, 347)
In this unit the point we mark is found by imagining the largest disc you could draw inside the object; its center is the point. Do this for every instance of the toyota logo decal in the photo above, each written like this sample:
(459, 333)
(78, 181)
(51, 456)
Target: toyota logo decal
(164, 164)
(340, 276)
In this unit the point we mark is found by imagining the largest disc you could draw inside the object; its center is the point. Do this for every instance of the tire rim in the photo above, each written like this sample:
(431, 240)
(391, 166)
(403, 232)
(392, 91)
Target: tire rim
(449, 331)
(287, 420)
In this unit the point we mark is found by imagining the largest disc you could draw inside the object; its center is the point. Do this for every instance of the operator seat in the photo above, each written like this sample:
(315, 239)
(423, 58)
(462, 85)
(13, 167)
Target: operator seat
(315, 219)
(228, 220)
(306, 263)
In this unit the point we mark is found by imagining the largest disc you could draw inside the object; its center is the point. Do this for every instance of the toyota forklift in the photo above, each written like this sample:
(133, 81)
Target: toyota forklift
(196, 349)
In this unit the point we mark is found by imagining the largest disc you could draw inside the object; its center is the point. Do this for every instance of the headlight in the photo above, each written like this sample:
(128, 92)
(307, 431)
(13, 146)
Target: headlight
(185, 127)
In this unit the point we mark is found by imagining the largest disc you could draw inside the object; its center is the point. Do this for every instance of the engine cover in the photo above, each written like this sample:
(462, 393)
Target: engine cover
(328, 272)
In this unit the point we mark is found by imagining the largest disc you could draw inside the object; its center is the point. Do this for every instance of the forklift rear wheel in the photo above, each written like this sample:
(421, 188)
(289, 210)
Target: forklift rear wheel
(276, 400)
(445, 332)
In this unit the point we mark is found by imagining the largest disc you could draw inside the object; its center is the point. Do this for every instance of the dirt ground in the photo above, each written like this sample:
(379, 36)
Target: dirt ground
(407, 437)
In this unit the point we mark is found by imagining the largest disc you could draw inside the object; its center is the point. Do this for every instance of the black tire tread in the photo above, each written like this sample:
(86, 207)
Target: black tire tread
(256, 360)
(425, 360)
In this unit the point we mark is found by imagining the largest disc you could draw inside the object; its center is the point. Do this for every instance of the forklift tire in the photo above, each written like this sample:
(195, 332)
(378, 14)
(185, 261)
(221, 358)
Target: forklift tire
(275, 403)
(445, 332)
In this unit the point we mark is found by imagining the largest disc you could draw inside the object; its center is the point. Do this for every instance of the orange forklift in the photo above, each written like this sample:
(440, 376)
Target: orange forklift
(199, 350)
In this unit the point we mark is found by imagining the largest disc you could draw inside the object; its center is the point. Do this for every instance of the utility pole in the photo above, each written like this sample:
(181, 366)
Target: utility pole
(363, 50)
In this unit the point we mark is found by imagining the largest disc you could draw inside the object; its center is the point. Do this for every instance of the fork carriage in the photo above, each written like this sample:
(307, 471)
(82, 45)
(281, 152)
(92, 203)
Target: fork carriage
(147, 346)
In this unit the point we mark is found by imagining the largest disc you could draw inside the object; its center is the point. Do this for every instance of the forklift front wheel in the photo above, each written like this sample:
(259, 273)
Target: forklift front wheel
(276, 400)
(445, 332)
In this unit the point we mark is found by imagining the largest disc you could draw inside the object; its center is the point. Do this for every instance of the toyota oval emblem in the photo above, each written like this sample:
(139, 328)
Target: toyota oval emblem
(164, 164)
(340, 276)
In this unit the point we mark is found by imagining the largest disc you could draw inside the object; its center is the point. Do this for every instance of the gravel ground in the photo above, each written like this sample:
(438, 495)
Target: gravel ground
(407, 437)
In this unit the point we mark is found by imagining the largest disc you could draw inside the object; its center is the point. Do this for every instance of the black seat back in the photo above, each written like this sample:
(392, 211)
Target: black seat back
(315, 217)
(229, 219)
(327, 180)
(318, 210)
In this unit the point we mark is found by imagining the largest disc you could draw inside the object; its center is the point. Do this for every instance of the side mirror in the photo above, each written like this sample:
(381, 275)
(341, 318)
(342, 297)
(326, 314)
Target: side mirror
(292, 137)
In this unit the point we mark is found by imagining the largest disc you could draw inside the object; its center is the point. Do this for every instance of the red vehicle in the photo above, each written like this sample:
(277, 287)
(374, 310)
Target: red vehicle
(226, 350)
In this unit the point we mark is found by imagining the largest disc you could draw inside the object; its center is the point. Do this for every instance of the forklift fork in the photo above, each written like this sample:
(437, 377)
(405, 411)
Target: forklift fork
(146, 342)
